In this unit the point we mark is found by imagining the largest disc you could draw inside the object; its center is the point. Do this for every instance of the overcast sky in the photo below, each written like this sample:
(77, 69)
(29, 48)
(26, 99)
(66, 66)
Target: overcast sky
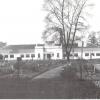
(22, 21)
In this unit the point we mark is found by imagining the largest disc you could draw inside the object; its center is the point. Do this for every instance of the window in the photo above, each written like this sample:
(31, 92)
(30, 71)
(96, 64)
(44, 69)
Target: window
(53, 54)
(32, 55)
(71, 55)
(97, 54)
(48, 56)
(92, 54)
(57, 55)
(27, 55)
(76, 54)
(11, 56)
(22, 56)
(86, 54)
(6, 56)
(38, 55)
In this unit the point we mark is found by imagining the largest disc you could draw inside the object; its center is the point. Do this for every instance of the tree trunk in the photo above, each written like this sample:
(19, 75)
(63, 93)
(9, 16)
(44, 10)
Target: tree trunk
(68, 58)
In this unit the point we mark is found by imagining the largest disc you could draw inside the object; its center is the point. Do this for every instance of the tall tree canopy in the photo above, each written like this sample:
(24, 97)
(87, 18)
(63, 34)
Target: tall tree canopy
(93, 39)
(64, 19)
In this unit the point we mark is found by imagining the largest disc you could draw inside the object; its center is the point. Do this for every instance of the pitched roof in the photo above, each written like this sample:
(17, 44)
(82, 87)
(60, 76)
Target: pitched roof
(19, 47)
(40, 44)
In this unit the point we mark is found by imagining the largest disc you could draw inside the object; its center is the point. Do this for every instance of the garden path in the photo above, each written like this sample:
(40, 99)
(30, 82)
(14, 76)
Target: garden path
(55, 72)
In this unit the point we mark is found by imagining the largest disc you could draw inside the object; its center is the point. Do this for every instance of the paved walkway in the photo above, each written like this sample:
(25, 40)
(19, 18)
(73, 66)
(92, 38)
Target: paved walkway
(97, 66)
(51, 73)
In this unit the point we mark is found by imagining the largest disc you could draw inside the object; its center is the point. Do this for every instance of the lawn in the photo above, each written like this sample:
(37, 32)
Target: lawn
(68, 87)
(56, 88)
(29, 68)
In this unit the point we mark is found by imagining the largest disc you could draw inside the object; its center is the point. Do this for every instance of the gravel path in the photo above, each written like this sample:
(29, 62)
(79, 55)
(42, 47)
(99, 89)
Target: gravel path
(51, 73)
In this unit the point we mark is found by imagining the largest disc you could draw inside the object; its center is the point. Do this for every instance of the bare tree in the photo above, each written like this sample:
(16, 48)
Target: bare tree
(64, 19)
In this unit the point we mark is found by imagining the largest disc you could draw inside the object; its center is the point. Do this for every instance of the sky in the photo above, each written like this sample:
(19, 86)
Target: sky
(22, 21)
(94, 19)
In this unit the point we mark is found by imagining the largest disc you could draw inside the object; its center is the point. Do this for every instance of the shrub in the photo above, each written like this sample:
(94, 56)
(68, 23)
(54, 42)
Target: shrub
(69, 72)
(6, 70)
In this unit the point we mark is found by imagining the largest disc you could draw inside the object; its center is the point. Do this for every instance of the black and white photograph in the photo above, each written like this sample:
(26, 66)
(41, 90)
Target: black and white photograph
(49, 49)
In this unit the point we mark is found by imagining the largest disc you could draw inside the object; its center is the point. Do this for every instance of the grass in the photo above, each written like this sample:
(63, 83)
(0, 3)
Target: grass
(68, 87)
(56, 88)
(30, 68)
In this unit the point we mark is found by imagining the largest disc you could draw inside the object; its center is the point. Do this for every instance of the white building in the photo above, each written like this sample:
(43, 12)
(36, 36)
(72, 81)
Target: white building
(32, 52)
(44, 51)
(86, 53)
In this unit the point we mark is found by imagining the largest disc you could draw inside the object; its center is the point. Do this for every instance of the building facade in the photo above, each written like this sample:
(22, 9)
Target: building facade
(85, 53)
(31, 52)
(46, 52)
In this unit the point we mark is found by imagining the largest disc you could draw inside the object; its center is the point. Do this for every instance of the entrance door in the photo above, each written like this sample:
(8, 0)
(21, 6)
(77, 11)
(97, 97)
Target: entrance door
(48, 56)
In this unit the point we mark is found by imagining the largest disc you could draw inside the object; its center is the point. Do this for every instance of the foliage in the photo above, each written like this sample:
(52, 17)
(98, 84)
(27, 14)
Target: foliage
(92, 40)
(1, 57)
(6, 68)
(2, 44)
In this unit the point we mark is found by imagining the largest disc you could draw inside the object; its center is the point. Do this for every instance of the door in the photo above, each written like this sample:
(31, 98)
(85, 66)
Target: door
(48, 56)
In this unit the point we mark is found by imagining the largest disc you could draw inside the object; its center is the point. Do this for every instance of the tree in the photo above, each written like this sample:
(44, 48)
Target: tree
(18, 66)
(1, 57)
(98, 39)
(64, 19)
(92, 40)
(2, 44)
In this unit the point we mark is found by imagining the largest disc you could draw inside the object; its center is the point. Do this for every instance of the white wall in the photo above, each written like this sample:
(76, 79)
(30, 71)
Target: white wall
(39, 50)
(54, 50)
(87, 50)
